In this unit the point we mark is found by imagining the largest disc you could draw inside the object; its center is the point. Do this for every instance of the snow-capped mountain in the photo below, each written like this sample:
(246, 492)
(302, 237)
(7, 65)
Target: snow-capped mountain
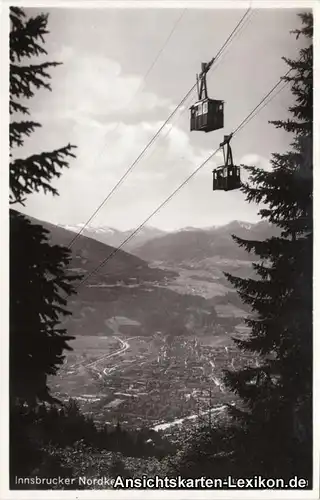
(151, 243)
(115, 237)
(77, 227)
(198, 244)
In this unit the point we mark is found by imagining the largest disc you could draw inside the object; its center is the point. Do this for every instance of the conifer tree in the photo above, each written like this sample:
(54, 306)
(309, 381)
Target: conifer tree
(270, 431)
(39, 281)
(277, 394)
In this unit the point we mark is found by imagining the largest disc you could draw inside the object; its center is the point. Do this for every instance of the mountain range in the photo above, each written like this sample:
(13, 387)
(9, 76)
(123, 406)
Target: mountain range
(170, 282)
(195, 245)
(188, 244)
(114, 237)
(126, 288)
(88, 253)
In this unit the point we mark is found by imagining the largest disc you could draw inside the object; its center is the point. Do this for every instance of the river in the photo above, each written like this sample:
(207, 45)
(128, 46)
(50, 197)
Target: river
(179, 421)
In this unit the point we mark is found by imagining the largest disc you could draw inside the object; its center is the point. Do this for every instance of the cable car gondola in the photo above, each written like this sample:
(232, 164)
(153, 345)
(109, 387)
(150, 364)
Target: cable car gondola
(226, 177)
(206, 114)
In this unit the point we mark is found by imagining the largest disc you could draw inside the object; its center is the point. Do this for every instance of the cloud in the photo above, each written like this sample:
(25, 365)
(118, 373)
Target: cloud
(107, 150)
(90, 86)
(105, 153)
(89, 106)
(101, 103)
(257, 161)
(254, 160)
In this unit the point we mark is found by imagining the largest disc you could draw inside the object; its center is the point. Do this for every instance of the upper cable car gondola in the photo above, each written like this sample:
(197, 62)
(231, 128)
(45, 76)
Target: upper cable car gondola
(226, 177)
(206, 114)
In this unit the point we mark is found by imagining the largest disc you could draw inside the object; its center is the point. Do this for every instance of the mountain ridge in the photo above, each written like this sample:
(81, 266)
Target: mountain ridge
(115, 237)
(87, 253)
(126, 288)
(199, 244)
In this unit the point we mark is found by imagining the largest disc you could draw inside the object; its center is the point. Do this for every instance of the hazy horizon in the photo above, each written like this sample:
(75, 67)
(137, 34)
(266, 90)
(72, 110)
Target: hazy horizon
(80, 225)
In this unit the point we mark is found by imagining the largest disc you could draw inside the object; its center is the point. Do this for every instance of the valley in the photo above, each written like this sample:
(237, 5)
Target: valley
(147, 381)
(153, 329)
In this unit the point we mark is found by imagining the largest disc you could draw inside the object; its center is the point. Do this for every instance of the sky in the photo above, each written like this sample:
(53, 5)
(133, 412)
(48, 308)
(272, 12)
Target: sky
(120, 80)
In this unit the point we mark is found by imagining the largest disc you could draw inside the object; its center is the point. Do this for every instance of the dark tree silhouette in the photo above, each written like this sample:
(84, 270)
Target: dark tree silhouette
(39, 281)
(39, 286)
(278, 393)
(270, 431)
(28, 175)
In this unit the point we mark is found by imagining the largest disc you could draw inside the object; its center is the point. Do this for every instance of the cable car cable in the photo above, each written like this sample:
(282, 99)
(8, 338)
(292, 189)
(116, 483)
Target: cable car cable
(248, 118)
(242, 124)
(134, 95)
(266, 103)
(166, 135)
(156, 134)
(165, 43)
(210, 63)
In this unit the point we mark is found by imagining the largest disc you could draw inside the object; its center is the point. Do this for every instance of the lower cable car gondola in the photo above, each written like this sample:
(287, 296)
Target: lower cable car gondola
(226, 177)
(206, 115)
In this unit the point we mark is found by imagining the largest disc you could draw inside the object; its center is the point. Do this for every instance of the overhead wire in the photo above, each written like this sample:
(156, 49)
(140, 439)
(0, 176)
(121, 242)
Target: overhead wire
(266, 103)
(135, 95)
(252, 114)
(185, 108)
(145, 76)
(244, 122)
(155, 136)
(165, 43)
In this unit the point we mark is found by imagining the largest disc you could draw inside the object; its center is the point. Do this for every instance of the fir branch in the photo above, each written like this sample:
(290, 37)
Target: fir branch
(36, 172)
(24, 35)
(307, 25)
(302, 128)
(16, 107)
(23, 78)
(18, 129)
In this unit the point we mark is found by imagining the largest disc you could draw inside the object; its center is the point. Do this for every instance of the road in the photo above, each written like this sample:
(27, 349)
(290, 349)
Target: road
(179, 421)
(124, 347)
(215, 379)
